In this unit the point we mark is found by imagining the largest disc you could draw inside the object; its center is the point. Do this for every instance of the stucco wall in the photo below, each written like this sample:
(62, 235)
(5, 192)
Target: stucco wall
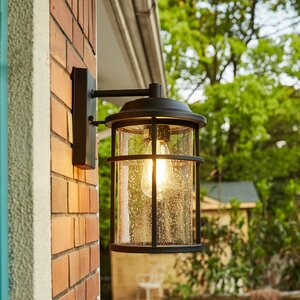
(28, 122)
(20, 43)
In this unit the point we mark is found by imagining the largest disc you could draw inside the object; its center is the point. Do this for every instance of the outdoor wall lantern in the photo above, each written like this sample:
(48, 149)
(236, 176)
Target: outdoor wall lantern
(155, 166)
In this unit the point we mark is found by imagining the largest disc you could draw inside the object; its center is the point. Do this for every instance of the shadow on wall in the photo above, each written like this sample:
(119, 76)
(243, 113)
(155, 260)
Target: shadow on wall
(127, 267)
(105, 278)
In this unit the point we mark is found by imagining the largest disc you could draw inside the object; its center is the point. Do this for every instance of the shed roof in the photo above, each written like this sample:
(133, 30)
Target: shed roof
(243, 191)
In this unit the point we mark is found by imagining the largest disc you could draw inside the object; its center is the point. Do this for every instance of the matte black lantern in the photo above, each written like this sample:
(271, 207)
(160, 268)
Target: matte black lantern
(155, 173)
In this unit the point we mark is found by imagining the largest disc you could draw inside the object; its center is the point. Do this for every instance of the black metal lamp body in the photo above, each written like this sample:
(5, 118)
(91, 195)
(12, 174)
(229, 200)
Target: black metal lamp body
(155, 175)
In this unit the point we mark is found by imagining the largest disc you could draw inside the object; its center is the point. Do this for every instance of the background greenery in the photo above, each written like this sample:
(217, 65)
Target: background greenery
(104, 151)
(237, 62)
(242, 73)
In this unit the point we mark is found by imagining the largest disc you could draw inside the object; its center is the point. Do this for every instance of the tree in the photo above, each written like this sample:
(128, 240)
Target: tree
(249, 83)
(206, 42)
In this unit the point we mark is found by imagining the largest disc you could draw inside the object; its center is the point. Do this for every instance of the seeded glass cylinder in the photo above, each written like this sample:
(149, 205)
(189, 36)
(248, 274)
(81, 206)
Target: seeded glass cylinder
(174, 185)
(134, 207)
(174, 203)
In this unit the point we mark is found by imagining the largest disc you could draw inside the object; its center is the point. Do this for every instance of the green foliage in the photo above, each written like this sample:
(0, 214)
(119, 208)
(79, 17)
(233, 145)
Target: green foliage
(204, 41)
(233, 263)
(220, 267)
(104, 188)
(250, 86)
(104, 151)
(274, 238)
(248, 119)
(202, 38)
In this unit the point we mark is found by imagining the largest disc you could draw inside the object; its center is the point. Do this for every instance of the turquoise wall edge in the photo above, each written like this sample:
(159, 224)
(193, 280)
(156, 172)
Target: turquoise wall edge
(4, 295)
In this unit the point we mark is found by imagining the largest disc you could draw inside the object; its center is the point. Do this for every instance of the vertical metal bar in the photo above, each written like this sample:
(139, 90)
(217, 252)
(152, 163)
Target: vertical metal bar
(4, 294)
(112, 186)
(154, 204)
(197, 187)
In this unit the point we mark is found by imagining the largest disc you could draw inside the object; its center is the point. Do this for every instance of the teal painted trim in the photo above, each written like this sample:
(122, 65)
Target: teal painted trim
(3, 153)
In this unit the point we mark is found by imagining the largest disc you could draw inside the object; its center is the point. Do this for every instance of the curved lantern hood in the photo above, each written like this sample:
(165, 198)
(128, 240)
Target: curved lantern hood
(146, 108)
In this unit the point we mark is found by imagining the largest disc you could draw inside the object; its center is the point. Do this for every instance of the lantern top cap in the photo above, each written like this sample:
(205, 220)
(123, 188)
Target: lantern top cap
(146, 108)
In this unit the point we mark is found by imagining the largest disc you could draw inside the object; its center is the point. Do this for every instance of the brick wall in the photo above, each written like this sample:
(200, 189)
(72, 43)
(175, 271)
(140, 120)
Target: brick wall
(74, 194)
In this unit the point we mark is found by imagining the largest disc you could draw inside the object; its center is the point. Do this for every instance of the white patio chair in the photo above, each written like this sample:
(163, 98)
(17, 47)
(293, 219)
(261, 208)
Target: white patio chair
(149, 282)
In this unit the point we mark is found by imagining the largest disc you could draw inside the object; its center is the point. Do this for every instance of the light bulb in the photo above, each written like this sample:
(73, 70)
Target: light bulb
(164, 171)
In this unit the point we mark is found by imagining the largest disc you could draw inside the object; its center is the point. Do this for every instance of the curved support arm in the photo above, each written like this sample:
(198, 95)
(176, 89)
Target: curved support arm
(154, 91)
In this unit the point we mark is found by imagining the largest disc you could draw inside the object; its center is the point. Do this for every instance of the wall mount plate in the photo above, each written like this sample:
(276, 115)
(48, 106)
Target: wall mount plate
(84, 109)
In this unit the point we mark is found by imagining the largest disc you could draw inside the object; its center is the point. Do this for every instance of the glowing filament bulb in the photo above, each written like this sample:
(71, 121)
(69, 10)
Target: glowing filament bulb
(164, 171)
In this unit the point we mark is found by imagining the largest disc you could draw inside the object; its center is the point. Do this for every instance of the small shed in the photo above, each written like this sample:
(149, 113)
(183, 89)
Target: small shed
(217, 197)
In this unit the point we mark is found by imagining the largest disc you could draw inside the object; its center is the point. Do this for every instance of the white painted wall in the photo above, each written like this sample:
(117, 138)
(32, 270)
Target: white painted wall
(41, 152)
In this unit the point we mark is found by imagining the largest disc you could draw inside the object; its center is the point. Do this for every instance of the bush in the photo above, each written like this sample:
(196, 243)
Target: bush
(233, 263)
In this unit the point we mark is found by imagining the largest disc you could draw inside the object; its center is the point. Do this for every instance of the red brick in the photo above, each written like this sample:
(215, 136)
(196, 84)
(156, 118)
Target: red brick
(89, 58)
(91, 229)
(90, 20)
(70, 127)
(69, 296)
(79, 231)
(57, 44)
(86, 18)
(80, 291)
(73, 59)
(78, 38)
(84, 198)
(80, 12)
(60, 275)
(61, 84)
(75, 172)
(84, 261)
(94, 25)
(74, 267)
(58, 118)
(61, 157)
(62, 234)
(59, 195)
(92, 287)
(75, 8)
(79, 174)
(94, 258)
(94, 201)
(73, 196)
(61, 12)
(91, 176)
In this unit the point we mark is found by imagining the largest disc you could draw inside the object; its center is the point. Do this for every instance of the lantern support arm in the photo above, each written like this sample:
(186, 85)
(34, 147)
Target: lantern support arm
(154, 91)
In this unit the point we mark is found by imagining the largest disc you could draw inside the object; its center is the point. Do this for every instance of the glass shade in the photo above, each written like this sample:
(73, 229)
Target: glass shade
(174, 185)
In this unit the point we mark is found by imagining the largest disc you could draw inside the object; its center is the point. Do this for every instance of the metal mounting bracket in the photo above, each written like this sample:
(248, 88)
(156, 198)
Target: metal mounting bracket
(84, 113)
